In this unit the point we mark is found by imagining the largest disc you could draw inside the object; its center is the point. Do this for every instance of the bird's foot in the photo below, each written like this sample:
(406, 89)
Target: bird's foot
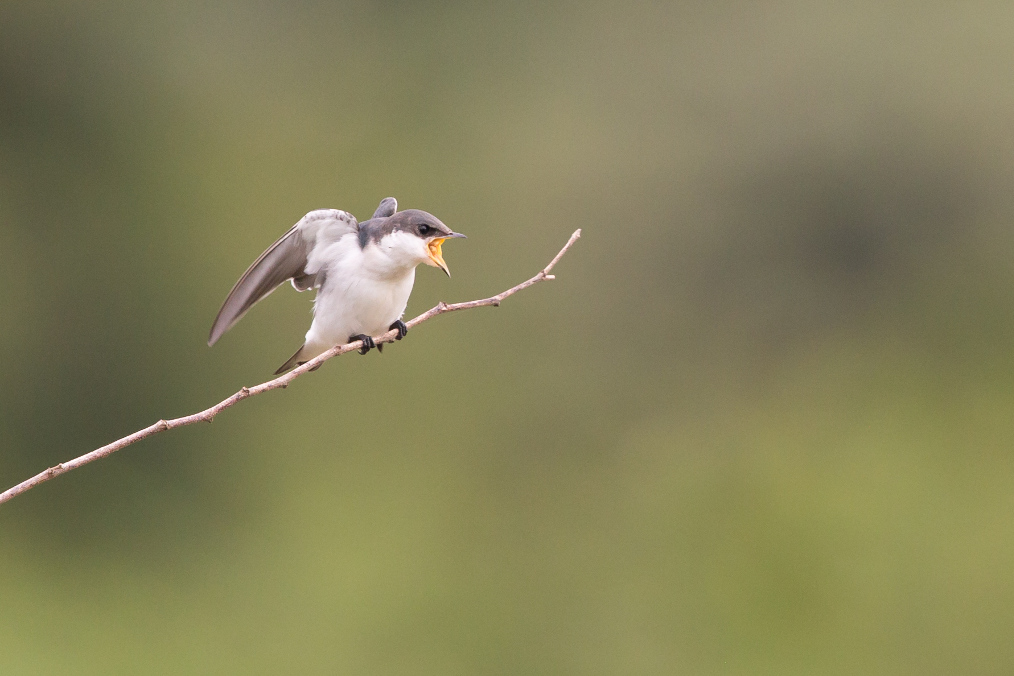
(402, 329)
(368, 343)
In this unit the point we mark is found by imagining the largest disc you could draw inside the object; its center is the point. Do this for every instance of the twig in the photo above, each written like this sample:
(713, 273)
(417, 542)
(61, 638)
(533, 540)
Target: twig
(208, 415)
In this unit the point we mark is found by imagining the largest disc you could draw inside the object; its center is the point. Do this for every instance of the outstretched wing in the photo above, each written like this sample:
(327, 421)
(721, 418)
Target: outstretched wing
(388, 207)
(285, 259)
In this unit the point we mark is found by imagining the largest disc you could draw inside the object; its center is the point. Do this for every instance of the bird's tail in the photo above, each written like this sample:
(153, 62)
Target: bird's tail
(295, 360)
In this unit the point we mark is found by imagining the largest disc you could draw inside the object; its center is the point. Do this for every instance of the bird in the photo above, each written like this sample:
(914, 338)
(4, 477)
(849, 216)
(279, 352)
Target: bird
(363, 274)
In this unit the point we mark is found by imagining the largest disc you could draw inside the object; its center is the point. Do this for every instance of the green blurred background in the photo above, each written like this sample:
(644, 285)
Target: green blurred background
(760, 424)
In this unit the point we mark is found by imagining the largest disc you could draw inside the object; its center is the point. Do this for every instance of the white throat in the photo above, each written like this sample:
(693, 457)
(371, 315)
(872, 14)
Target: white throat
(395, 255)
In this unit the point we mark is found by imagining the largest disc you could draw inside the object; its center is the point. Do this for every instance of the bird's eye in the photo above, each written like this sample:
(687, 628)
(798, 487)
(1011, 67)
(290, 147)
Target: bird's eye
(424, 230)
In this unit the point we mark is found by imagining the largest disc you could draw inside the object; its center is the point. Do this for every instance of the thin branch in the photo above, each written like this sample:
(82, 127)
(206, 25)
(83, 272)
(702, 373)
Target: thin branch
(208, 414)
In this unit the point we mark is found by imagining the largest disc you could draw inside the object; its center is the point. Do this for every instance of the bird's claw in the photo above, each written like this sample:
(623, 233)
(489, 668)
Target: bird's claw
(368, 343)
(402, 329)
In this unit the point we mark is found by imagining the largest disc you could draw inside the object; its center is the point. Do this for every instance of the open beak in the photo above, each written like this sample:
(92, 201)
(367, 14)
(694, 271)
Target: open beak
(436, 256)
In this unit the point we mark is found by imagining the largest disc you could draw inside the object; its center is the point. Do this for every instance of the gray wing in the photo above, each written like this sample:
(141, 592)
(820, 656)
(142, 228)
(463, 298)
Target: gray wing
(388, 207)
(285, 259)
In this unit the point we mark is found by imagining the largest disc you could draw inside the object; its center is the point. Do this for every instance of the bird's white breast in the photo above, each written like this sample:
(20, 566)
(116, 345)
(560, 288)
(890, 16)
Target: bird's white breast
(364, 291)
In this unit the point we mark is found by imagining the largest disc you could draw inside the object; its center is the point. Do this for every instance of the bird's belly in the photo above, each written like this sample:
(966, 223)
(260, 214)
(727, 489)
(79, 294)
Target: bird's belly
(353, 306)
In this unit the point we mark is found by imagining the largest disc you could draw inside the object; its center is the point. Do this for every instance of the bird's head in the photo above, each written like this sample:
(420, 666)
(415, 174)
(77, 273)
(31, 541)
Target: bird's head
(418, 235)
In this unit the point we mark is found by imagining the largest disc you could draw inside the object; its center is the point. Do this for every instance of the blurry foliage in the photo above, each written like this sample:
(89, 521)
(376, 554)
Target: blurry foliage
(760, 423)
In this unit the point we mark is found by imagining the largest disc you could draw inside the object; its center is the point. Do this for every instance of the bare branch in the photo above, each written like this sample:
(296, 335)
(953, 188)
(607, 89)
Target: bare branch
(208, 414)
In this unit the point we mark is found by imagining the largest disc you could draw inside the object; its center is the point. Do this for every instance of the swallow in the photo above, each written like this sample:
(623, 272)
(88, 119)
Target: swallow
(362, 273)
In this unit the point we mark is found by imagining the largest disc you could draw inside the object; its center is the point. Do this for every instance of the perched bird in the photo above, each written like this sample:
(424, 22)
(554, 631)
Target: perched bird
(363, 274)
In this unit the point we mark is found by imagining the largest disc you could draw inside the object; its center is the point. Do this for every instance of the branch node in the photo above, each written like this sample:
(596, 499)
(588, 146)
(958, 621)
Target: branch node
(244, 391)
(164, 424)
